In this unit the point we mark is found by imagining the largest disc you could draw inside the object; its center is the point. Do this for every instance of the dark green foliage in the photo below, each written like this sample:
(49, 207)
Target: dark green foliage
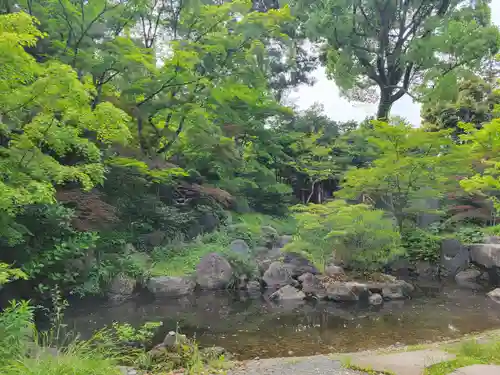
(469, 234)
(422, 245)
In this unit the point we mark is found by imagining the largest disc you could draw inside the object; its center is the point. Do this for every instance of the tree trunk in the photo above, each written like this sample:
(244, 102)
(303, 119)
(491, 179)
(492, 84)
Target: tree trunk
(384, 104)
(312, 192)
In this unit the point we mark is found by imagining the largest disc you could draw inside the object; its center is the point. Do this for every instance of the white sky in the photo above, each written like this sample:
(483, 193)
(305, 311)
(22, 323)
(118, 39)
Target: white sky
(338, 108)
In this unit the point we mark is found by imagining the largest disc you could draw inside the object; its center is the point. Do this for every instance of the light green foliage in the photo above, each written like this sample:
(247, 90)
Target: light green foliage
(483, 145)
(45, 111)
(398, 47)
(470, 353)
(411, 165)
(181, 257)
(313, 160)
(473, 103)
(362, 237)
(16, 329)
(7, 274)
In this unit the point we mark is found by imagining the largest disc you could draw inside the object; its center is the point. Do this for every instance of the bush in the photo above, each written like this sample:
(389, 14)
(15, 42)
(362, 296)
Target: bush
(77, 359)
(363, 238)
(16, 328)
(469, 235)
(422, 245)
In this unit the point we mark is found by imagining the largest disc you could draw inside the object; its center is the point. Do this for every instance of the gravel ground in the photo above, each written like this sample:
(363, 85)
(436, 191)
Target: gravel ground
(317, 365)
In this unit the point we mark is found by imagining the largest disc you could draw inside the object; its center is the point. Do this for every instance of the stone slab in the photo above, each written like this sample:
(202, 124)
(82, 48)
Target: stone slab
(478, 370)
(403, 363)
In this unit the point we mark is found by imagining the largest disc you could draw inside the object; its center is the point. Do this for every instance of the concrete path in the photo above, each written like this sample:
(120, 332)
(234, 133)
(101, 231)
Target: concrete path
(478, 370)
(402, 363)
(315, 365)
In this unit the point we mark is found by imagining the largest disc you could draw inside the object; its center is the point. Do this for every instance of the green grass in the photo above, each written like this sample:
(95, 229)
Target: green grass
(346, 363)
(469, 353)
(283, 225)
(181, 258)
(79, 358)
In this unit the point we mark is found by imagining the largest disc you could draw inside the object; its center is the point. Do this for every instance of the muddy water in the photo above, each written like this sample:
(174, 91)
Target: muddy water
(255, 327)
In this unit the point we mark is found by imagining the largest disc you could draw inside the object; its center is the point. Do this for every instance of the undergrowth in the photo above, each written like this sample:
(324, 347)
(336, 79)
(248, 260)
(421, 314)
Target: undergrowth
(180, 258)
(26, 351)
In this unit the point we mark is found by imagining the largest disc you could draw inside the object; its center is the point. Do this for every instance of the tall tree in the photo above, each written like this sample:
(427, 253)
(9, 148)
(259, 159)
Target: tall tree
(49, 132)
(474, 103)
(412, 164)
(398, 46)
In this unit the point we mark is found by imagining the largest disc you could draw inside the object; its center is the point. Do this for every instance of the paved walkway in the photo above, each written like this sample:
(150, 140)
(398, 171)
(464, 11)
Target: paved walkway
(478, 370)
(402, 363)
(315, 365)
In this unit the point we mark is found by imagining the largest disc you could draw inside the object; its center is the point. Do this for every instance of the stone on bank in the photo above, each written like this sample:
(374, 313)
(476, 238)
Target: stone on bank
(171, 286)
(213, 272)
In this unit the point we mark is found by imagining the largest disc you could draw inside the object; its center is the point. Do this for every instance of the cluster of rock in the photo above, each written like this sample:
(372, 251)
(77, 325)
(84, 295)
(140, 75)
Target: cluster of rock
(474, 266)
(326, 287)
(174, 352)
(283, 276)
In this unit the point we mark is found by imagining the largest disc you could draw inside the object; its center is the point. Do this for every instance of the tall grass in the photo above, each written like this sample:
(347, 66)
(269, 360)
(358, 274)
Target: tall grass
(79, 358)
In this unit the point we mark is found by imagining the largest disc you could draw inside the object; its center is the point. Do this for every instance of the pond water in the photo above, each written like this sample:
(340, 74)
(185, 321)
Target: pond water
(255, 327)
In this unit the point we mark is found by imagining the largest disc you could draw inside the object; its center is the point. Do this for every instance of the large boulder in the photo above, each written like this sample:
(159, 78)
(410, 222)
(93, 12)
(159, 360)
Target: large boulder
(284, 240)
(264, 257)
(485, 255)
(347, 291)
(278, 274)
(334, 271)
(121, 287)
(398, 289)
(468, 279)
(213, 272)
(240, 247)
(170, 286)
(312, 286)
(454, 257)
(299, 264)
(270, 236)
(173, 339)
(287, 292)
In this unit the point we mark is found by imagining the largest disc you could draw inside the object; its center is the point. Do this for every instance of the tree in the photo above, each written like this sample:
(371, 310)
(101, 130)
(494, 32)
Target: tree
(358, 235)
(398, 47)
(483, 145)
(474, 104)
(49, 132)
(412, 164)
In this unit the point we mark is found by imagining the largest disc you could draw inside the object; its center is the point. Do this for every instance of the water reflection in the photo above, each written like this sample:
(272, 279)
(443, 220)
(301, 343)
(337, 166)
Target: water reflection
(252, 326)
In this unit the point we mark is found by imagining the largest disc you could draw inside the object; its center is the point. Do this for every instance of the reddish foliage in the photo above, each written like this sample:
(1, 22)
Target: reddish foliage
(219, 195)
(91, 211)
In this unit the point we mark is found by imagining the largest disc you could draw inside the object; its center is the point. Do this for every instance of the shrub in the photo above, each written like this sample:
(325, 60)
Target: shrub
(362, 237)
(422, 245)
(469, 234)
(16, 327)
(493, 230)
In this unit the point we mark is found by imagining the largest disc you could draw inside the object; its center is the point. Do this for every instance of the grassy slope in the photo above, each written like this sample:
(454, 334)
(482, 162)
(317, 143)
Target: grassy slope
(181, 258)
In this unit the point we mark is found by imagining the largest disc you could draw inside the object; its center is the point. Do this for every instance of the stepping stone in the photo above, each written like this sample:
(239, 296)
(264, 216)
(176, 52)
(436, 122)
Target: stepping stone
(403, 363)
(478, 370)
